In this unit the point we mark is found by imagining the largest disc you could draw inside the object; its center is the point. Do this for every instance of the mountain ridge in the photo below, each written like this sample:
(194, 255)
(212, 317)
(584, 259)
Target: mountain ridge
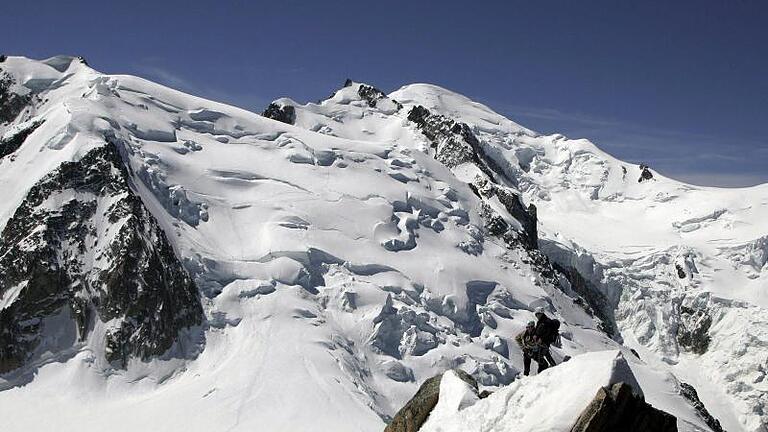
(353, 281)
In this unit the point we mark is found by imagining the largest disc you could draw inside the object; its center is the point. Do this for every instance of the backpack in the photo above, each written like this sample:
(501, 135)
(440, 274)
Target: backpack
(553, 332)
(558, 342)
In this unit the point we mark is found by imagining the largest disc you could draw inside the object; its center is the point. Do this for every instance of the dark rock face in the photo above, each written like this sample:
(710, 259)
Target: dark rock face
(693, 330)
(514, 205)
(690, 394)
(10, 145)
(372, 95)
(396, 371)
(413, 415)
(452, 141)
(680, 271)
(597, 303)
(618, 409)
(645, 173)
(285, 113)
(82, 242)
(11, 104)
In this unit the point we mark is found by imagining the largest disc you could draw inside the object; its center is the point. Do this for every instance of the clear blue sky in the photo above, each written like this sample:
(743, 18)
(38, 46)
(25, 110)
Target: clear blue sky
(682, 85)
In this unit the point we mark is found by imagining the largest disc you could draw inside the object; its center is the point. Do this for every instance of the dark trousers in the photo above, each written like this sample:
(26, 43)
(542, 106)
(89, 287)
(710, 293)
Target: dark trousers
(548, 356)
(540, 360)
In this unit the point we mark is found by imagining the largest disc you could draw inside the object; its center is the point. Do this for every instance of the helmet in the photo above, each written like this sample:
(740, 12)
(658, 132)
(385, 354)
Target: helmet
(530, 324)
(539, 310)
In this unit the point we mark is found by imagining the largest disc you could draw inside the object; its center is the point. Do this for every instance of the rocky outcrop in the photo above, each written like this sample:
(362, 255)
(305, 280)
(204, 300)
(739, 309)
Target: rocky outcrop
(83, 246)
(692, 396)
(680, 271)
(11, 103)
(413, 415)
(693, 329)
(397, 371)
(645, 173)
(529, 237)
(453, 142)
(12, 143)
(617, 408)
(597, 304)
(372, 95)
(281, 113)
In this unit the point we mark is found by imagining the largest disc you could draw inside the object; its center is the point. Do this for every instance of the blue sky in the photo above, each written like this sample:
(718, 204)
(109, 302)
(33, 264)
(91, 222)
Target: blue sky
(681, 85)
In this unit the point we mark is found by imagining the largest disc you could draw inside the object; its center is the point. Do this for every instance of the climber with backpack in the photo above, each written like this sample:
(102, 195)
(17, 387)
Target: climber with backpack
(527, 342)
(547, 332)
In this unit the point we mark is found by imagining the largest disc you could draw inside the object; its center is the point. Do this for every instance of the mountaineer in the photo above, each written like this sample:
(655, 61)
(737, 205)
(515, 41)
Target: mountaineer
(527, 342)
(547, 332)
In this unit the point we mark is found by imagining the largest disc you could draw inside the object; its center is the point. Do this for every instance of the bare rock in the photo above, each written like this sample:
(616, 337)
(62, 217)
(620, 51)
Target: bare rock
(645, 173)
(284, 113)
(616, 408)
(692, 396)
(413, 415)
(693, 331)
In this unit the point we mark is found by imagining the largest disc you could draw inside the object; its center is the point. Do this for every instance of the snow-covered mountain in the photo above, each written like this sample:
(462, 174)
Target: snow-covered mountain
(179, 264)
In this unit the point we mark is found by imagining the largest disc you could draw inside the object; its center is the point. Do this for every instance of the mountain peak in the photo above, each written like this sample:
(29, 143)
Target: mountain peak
(163, 247)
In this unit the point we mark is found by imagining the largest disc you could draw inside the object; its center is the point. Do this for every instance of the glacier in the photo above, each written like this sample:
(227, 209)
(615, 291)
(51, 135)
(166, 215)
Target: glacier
(345, 251)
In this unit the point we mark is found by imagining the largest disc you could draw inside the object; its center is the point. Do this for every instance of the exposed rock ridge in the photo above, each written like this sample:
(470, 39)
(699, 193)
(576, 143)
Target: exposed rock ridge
(82, 242)
(690, 393)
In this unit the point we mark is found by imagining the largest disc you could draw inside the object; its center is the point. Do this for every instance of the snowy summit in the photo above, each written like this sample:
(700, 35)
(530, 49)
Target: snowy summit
(172, 263)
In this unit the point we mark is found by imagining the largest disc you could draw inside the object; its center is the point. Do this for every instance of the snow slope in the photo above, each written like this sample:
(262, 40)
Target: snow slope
(340, 264)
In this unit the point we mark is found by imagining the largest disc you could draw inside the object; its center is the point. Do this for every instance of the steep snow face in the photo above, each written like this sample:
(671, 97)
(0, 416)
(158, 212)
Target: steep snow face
(338, 268)
(683, 266)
